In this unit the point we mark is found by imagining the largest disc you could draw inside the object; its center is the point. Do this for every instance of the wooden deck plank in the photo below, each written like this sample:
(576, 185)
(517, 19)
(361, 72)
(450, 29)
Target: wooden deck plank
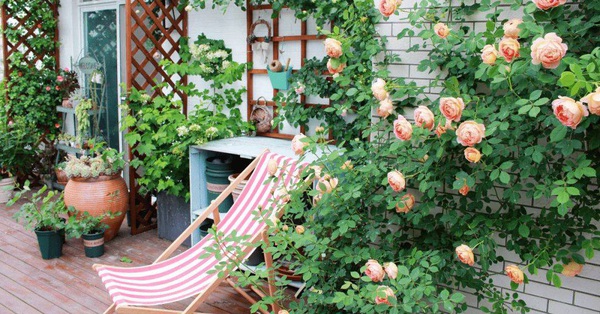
(32, 292)
(15, 304)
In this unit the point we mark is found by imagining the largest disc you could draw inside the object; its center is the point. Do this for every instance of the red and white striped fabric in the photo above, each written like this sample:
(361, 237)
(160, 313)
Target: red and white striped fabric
(185, 275)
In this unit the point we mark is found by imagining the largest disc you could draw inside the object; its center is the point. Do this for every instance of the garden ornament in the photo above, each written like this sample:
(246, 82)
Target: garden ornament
(260, 44)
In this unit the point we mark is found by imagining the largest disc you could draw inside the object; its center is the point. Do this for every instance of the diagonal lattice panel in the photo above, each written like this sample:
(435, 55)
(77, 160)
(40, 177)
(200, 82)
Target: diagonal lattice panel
(154, 29)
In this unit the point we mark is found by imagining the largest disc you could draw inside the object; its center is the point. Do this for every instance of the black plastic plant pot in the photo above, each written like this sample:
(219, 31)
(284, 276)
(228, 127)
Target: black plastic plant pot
(51, 243)
(93, 244)
(204, 226)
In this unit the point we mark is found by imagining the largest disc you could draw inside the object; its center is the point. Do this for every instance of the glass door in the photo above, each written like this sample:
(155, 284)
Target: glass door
(101, 42)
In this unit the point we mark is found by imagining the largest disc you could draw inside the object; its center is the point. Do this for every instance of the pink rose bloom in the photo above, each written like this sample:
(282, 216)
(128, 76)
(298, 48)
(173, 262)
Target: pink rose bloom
(67, 69)
(297, 144)
(378, 89)
(333, 70)
(440, 129)
(548, 51)
(48, 88)
(511, 28)
(389, 293)
(441, 30)
(509, 48)
(489, 54)
(548, 4)
(568, 111)
(464, 190)
(300, 229)
(333, 48)
(388, 7)
(424, 117)
(593, 102)
(391, 270)
(514, 273)
(10, 123)
(402, 128)
(374, 270)
(406, 203)
(452, 108)
(300, 89)
(60, 78)
(470, 133)
(472, 154)
(385, 108)
(272, 167)
(572, 269)
(396, 181)
(326, 184)
(465, 254)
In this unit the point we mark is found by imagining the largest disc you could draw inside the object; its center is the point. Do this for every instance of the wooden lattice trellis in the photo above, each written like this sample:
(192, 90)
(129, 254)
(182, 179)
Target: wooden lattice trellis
(154, 29)
(29, 24)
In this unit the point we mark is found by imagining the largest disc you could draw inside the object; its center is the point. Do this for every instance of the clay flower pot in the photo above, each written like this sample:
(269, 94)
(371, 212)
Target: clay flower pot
(96, 196)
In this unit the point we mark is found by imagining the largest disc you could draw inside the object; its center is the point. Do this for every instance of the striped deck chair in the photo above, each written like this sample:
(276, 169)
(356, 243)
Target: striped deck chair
(136, 289)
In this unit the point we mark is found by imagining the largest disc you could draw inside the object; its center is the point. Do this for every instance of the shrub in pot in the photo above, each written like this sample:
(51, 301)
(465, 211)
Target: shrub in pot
(95, 185)
(91, 230)
(44, 213)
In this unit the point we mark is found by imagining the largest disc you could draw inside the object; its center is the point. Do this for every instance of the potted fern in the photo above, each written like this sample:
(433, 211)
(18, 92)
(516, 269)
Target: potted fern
(43, 213)
(91, 230)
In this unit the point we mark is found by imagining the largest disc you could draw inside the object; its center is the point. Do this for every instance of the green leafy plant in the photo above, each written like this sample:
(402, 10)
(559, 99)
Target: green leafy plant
(84, 223)
(43, 210)
(19, 148)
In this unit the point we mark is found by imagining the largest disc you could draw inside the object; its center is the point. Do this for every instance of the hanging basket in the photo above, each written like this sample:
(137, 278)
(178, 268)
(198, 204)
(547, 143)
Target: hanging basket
(261, 116)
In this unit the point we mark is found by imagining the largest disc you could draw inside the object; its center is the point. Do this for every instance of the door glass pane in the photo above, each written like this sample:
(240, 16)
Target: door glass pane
(101, 43)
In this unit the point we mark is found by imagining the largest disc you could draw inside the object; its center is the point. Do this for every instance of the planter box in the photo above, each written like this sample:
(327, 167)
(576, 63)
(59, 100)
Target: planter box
(173, 217)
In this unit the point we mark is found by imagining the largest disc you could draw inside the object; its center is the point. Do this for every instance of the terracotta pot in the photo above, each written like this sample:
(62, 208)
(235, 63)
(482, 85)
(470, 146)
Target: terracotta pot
(66, 102)
(96, 196)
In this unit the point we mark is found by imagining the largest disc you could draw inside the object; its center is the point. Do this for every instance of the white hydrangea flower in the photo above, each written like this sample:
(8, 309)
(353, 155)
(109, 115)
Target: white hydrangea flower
(210, 132)
(182, 131)
(194, 127)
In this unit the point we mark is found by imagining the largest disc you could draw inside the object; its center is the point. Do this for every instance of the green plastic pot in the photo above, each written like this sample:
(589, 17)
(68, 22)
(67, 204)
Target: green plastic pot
(93, 244)
(51, 243)
(218, 169)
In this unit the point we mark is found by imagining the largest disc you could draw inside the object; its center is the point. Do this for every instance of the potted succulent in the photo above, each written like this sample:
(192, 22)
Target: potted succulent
(43, 212)
(95, 185)
(67, 83)
(91, 230)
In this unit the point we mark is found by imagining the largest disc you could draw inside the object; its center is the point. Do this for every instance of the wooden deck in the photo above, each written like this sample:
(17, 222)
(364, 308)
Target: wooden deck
(29, 284)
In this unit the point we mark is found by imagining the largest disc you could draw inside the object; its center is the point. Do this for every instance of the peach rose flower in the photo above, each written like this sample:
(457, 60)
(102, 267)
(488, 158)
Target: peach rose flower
(465, 254)
(509, 49)
(374, 270)
(385, 108)
(514, 273)
(406, 203)
(333, 48)
(548, 51)
(472, 154)
(572, 269)
(511, 28)
(593, 102)
(470, 133)
(378, 89)
(300, 229)
(424, 117)
(489, 54)
(327, 184)
(441, 30)
(347, 165)
(389, 293)
(396, 180)
(333, 70)
(297, 144)
(388, 7)
(464, 190)
(402, 128)
(441, 128)
(548, 4)
(452, 108)
(568, 111)
(283, 312)
(272, 167)
(391, 269)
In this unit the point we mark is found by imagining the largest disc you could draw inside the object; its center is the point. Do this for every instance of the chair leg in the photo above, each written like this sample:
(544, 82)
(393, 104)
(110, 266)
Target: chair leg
(110, 309)
(244, 294)
(271, 277)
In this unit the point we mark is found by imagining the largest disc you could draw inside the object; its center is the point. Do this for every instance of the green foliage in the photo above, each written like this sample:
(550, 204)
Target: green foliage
(43, 209)
(160, 133)
(18, 147)
(84, 223)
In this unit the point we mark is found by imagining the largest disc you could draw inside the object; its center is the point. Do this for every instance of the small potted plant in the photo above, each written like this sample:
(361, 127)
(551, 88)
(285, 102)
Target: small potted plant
(43, 212)
(18, 151)
(91, 230)
(67, 83)
(61, 175)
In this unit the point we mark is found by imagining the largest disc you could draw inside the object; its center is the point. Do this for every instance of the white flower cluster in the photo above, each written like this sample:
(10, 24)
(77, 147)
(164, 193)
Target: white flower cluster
(182, 131)
(212, 131)
(219, 54)
(198, 50)
(194, 127)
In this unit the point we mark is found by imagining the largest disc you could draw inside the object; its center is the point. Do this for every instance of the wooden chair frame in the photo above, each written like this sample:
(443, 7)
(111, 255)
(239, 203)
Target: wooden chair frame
(214, 210)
